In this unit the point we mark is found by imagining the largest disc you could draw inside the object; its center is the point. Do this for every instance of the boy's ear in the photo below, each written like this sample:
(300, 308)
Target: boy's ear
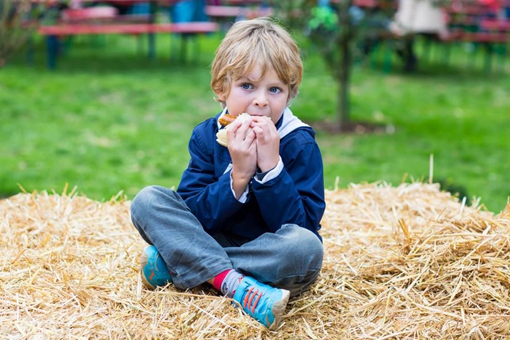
(220, 96)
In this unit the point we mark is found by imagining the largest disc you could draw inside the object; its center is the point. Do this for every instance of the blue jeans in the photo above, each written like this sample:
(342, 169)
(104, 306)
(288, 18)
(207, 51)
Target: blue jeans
(291, 258)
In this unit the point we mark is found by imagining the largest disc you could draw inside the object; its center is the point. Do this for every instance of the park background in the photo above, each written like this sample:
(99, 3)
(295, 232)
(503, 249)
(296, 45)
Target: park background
(402, 260)
(109, 120)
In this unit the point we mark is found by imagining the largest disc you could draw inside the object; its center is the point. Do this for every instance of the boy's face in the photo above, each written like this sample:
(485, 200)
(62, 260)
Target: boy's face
(258, 97)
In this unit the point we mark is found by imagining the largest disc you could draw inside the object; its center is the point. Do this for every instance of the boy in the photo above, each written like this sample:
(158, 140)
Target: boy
(245, 218)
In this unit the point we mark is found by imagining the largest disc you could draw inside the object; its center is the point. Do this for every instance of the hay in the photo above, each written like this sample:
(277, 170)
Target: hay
(401, 262)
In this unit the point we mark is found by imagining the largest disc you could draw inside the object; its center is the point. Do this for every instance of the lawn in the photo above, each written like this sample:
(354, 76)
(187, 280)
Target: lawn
(108, 120)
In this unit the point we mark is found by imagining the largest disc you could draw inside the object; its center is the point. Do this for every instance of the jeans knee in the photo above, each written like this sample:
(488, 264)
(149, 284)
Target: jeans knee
(305, 249)
(142, 200)
(150, 199)
(301, 262)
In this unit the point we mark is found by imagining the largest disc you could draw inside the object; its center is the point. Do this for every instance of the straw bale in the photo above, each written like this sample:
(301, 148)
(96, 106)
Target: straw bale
(401, 262)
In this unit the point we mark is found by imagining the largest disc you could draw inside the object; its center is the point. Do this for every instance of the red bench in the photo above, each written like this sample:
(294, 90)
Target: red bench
(237, 11)
(90, 13)
(100, 14)
(242, 2)
(466, 25)
(495, 25)
(83, 29)
(53, 32)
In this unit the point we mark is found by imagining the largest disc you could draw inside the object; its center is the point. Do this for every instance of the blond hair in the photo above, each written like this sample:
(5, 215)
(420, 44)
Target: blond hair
(256, 42)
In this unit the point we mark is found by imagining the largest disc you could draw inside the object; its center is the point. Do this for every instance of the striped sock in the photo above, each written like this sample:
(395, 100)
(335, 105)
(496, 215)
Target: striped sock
(218, 279)
(227, 281)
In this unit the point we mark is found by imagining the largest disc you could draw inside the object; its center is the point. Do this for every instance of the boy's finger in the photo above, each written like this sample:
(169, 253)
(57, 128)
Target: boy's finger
(250, 136)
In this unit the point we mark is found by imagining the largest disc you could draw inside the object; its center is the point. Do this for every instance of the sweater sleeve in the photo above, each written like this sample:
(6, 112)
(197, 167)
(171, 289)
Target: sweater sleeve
(208, 196)
(296, 195)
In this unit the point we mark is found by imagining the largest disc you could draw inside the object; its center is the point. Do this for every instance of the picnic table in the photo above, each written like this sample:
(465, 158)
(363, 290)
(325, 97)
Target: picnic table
(80, 19)
(228, 11)
(474, 22)
(232, 12)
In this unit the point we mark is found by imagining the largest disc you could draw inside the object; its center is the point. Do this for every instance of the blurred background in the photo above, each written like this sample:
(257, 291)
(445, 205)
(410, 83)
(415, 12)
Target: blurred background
(102, 96)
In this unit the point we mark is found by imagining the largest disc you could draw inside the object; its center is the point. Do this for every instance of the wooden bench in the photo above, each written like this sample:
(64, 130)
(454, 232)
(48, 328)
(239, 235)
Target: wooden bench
(466, 20)
(495, 25)
(53, 33)
(99, 15)
(242, 2)
(237, 11)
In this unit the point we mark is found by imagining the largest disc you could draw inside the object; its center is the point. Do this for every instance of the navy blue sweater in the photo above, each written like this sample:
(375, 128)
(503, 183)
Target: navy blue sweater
(295, 196)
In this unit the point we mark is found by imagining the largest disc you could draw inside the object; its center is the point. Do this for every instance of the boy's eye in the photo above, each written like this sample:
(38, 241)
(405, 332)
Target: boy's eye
(274, 90)
(246, 86)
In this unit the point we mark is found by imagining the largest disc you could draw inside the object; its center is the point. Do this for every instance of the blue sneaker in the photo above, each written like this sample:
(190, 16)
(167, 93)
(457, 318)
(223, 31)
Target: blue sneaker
(264, 303)
(153, 269)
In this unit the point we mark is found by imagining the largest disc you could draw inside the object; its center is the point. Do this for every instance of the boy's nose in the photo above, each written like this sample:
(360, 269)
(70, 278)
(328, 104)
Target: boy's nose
(260, 99)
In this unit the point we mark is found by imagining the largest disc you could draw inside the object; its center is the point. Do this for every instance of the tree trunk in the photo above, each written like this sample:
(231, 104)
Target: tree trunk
(344, 75)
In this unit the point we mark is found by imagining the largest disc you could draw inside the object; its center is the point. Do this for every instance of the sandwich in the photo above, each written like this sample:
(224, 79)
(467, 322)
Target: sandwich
(225, 121)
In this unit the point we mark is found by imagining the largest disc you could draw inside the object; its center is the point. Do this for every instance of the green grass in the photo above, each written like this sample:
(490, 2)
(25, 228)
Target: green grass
(109, 119)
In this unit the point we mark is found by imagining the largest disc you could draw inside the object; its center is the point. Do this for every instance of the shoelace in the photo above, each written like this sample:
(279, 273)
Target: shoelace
(248, 299)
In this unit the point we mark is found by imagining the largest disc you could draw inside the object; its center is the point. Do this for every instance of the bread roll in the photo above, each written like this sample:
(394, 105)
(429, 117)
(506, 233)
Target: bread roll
(221, 135)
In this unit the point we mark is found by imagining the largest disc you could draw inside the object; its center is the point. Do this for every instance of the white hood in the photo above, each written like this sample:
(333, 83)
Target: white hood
(289, 123)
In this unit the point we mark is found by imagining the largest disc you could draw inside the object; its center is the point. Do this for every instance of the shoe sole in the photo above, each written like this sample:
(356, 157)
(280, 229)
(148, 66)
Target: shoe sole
(279, 309)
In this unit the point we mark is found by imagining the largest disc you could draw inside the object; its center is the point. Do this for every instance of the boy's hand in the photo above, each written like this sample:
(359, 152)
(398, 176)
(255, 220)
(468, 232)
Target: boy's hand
(243, 151)
(268, 143)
